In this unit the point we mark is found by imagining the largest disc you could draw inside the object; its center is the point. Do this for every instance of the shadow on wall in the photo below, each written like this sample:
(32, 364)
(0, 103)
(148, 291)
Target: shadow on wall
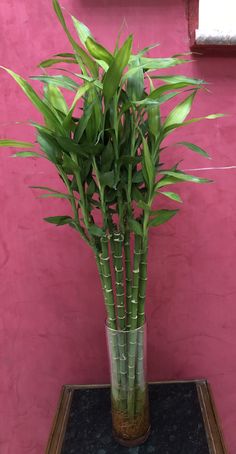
(124, 3)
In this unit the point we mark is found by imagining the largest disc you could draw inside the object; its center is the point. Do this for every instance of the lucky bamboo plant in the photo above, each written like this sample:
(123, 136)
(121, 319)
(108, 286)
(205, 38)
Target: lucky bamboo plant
(107, 148)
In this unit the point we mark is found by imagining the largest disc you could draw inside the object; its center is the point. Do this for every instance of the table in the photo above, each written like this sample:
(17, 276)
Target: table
(183, 420)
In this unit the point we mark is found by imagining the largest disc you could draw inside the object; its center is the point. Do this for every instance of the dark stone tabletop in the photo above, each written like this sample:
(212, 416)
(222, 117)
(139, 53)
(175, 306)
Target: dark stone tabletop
(176, 419)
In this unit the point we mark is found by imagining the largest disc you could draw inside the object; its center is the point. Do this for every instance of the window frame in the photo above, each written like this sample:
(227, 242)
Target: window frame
(205, 49)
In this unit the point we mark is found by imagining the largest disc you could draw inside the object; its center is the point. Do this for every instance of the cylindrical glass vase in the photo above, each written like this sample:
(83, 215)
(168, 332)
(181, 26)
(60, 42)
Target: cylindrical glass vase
(129, 390)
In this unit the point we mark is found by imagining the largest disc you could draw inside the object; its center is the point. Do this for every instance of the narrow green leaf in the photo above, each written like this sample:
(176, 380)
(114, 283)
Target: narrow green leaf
(166, 181)
(15, 143)
(80, 92)
(98, 51)
(107, 179)
(57, 195)
(91, 65)
(82, 30)
(135, 82)
(172, 196)
(148, 163)
(50, 146)
(195, 148)
(178, 79)
(65, 54)
(27, 154)
(180, 112)
(135, 227)
(155, 102)
(44, 188)
(185, 176)
(55, 99)
(155, 94)
(59, 220)
(144, 206)
(113, 76)
(95, 230)
(170, 128)
(161, 63)
(34, 98)
(161, 216)
(53, 61)
(58, 81)
(146, 49)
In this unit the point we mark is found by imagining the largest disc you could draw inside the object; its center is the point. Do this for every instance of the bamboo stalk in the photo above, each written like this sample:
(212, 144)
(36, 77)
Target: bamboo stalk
(118, 267)
(107, 280)
(133, 334)
(140, 378)
(128, 277)
(135, 284)
(142, 284)
(117, 250)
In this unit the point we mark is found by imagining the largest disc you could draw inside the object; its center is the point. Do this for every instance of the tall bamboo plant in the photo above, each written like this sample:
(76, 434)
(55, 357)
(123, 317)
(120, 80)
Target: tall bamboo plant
(107, 148)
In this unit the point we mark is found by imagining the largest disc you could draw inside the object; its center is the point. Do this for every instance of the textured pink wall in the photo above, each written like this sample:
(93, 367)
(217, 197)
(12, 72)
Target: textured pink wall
(51, 304)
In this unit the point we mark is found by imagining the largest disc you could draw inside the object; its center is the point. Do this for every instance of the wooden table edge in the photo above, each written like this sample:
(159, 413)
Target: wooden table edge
(211, 421)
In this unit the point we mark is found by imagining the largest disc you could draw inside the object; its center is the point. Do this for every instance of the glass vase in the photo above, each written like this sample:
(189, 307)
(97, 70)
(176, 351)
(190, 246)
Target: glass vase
(129, 390)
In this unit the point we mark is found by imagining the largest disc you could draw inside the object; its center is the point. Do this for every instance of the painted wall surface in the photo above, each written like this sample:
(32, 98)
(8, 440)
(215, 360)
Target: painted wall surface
(52, 312)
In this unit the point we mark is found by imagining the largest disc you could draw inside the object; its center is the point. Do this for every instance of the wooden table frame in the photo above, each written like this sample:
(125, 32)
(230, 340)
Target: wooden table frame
(213, 432)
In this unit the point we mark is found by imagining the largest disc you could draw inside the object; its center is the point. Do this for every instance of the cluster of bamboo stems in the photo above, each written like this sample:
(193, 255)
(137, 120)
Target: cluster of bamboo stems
(123, 280)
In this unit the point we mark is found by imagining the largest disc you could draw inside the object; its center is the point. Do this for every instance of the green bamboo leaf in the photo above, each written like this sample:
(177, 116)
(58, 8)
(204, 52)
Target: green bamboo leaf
(135, 227)
(72, 147)
(80, 92)
(178, 79)
(95, 230)
(166, 181)
(172, 196)
(27, 154)
(155, 94)
(50, 146)
(91, 65)
(55, 100)
(135, 82)
(65, 54)
(69, 165)
(58, 81)
(53, 192)
(113, 76)
(44, 188)
(144, 206)
(57, 195)
(34, 98)
(147, 49)
(98, 51)
(156, 102)
(151, 64)
(184, 176)
(170, 128)
(82, 30)
(180, 112)
(59, 220)
(53, 61)
(107, 179)
(15, 143)
(195, 148)
(148, 164)
(93, 125)
(161, 216)
(42, 128)
(137, 195)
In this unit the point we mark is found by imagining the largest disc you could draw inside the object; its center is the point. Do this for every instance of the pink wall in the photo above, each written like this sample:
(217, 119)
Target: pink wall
(51, 304)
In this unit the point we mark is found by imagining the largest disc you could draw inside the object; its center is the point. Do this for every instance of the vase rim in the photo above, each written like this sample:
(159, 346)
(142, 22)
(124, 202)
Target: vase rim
(125, 330)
